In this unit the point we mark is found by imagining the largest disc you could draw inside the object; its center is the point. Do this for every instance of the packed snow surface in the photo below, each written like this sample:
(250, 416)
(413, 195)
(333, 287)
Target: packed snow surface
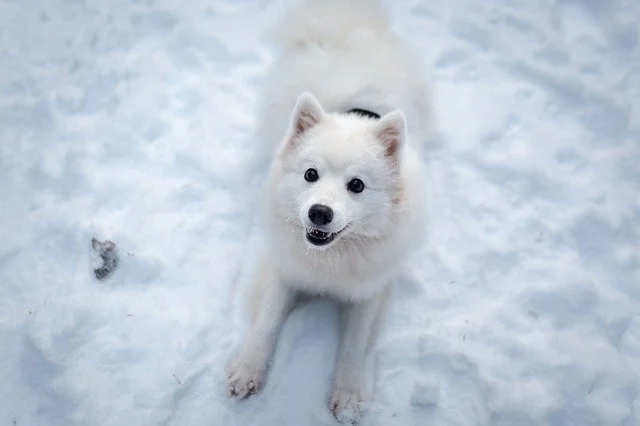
(132, 121)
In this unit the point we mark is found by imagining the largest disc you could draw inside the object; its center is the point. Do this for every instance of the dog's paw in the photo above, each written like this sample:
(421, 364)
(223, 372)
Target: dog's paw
(244, 378)
(346, 405)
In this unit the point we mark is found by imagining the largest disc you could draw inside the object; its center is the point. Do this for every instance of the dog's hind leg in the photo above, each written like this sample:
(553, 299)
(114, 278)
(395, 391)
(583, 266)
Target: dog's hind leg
(247, 371)
(357, 322)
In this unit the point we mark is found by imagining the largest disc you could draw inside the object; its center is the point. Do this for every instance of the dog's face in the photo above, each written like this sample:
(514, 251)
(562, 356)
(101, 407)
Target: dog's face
(338, 175)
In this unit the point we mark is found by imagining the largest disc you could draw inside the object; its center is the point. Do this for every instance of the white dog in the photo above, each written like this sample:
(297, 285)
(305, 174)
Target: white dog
(345, 197)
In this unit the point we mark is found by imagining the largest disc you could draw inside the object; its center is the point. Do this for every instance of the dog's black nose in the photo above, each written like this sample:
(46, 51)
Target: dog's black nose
(320, 215)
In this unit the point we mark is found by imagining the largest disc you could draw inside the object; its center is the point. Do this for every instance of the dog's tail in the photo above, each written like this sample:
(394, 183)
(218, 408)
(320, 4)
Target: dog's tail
(328, 22)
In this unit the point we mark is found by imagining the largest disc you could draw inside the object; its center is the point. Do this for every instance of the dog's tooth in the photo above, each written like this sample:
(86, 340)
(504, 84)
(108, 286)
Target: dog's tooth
(318, 233)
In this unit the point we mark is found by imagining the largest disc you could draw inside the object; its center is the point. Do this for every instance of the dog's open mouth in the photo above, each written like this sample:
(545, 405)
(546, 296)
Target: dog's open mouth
(318, 237)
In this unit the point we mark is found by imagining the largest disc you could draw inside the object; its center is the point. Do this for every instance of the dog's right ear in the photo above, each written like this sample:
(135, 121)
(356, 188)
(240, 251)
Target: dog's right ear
(391, 130)
(307, 113)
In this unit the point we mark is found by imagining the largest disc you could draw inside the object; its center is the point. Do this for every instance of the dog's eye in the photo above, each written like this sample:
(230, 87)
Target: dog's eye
(311, 175)
(355, 185)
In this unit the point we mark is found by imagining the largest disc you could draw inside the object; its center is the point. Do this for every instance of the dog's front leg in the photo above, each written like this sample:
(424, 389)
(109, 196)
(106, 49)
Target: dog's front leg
(247, 371)
(357, 322)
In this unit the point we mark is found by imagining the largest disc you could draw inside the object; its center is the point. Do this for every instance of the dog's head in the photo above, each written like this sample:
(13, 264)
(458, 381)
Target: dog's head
(338, 175)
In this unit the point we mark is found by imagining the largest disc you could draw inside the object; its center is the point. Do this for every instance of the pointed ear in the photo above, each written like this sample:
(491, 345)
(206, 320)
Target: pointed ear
(391, 131)
(307, 113)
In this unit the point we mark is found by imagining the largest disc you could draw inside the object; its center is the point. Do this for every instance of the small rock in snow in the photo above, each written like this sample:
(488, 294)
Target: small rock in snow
(108, 258)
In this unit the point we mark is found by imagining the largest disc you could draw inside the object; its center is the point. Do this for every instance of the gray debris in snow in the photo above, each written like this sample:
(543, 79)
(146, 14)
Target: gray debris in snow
(106, 252)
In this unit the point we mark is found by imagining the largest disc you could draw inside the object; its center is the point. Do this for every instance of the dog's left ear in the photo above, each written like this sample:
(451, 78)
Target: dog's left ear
(307, 113)
(391, 131)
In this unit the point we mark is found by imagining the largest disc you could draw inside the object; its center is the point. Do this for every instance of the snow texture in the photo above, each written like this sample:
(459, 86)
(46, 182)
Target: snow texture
(131, 121)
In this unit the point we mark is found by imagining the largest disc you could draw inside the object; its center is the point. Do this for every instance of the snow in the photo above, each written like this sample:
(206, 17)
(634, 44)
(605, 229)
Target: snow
(425, 392)
(132, 121)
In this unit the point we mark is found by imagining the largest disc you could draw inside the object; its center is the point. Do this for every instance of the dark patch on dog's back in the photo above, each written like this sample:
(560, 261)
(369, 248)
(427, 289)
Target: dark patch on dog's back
(364, 113)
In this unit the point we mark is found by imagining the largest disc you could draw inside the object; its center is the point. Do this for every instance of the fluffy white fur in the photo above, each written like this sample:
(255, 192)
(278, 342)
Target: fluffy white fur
(336, 55)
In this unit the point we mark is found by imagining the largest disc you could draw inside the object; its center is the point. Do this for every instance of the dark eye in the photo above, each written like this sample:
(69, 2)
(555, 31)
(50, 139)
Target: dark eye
(355, 185)
(311, 175)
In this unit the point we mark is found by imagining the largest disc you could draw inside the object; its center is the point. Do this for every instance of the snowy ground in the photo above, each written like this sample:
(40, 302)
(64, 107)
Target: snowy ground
(131, 120)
